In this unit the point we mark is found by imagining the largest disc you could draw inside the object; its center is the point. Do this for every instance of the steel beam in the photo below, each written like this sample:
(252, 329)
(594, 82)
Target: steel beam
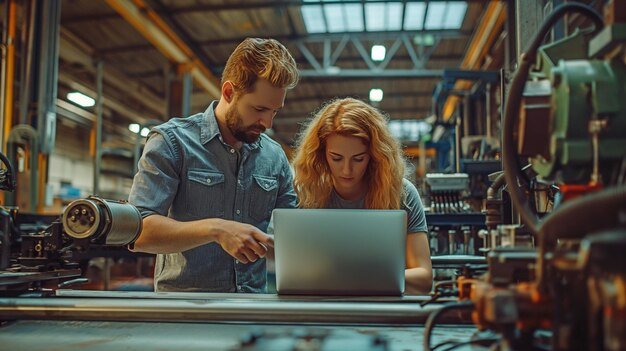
(373, 73)
(121, 108)
(156, 31)
(488, 30)
(75, 50)
(529, 18)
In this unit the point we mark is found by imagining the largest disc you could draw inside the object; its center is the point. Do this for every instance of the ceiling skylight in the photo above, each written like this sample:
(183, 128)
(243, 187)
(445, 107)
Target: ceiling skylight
(374, 19)
(435, 15)
(335, 18)
(394, 16)
(348, 15)
(354, 17)
(313, 19)
(414, 16)
(455, 13)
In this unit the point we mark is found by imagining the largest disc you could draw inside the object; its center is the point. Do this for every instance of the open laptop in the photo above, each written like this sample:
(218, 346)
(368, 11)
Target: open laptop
(340, 251)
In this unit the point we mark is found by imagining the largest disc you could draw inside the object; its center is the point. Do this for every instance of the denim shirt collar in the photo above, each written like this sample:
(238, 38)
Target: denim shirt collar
(209, 128)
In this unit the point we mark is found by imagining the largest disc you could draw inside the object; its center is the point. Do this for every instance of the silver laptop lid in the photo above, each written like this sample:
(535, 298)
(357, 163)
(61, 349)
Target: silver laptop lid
(340, 251)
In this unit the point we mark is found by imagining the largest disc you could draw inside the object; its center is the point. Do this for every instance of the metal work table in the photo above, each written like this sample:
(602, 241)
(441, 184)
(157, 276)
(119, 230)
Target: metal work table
(105, 320)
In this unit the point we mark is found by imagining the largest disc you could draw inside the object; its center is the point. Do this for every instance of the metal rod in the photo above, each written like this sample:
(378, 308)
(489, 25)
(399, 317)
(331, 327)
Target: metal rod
(98, 126)
(187, 91)
(488, 111)
(240, 310)
(9, 69)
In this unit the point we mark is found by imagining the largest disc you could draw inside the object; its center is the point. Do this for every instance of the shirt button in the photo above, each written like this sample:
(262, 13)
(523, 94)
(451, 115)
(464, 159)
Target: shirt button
(208, 180)
(237, 261)
(238, 212)
(232, 151)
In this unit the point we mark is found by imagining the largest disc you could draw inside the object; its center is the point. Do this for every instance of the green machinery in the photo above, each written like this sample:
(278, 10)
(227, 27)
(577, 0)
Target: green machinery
(572, 123)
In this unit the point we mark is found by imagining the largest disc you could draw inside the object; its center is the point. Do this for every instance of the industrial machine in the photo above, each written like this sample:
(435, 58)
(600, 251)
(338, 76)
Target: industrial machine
(30, 260)
(564, 288)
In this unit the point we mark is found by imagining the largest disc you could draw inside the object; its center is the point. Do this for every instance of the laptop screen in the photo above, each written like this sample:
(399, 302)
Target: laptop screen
(340, 251)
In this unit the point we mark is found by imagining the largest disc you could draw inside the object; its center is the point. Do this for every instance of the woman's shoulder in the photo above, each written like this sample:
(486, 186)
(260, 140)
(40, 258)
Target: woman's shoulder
(408, 187)
(410, 195)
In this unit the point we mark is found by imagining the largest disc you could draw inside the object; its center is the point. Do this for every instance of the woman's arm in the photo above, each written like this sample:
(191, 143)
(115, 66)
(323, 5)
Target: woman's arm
(419, 274)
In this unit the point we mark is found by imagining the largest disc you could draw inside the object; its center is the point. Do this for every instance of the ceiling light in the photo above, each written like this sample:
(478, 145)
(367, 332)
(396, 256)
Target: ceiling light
(145, 131)
(81, 99)
(376, 95)
(334, 70)
(134, 127)
(424, 39)
(378, 52)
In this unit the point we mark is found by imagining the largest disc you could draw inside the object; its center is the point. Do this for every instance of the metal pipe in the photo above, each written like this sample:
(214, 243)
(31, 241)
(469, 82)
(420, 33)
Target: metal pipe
(47, 77)
(3, 68)
(187, 91)
(98, 126)
(137, 151)
(457, 145)
(214, 310)
(488, 111)
(488, 30)
(26, 135)
(42, 166)
(28, 39)
(10, 71)
(467, 102)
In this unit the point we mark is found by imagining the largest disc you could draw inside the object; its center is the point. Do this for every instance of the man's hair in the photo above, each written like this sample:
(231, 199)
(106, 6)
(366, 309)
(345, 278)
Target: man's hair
(258, 58)
(349, 117)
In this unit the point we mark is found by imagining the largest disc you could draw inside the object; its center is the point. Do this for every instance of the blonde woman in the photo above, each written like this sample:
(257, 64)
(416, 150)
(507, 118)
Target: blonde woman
(347, 158)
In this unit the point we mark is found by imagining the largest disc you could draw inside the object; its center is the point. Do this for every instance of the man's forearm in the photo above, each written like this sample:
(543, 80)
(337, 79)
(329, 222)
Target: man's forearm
(162, 235)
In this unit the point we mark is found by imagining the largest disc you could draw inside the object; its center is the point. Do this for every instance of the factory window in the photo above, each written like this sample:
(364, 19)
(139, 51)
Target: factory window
(377, 16)
(409, 130)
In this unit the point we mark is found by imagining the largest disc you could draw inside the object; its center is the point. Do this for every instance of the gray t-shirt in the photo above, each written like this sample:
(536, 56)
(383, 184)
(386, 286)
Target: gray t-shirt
(411, 203)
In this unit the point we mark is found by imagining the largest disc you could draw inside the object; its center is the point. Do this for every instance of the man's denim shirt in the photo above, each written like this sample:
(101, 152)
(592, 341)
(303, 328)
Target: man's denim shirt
(187, 173)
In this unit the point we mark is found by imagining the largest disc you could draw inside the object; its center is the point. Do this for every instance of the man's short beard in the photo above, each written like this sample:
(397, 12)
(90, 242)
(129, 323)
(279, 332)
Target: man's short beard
(235, 125)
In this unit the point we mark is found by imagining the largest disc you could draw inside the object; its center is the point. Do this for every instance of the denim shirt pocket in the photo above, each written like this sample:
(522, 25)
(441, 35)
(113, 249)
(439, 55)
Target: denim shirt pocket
(263, 196)
(205, 193)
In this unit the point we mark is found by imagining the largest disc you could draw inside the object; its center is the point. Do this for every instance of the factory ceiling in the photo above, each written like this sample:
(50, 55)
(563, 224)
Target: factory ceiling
(144, 44)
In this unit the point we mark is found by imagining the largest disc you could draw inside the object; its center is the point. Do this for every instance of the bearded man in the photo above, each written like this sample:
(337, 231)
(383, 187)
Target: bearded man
(207, 184)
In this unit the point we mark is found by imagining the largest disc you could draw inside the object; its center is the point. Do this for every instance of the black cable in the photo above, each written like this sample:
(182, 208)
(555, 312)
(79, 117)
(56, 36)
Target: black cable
(431, 300)
(444, 343)
(470, 342)
(433, 316)
(9, 181)
(510, 160)
(437, 292)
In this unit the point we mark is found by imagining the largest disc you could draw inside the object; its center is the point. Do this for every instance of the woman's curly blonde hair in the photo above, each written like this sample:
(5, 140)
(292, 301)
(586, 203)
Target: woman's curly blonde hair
(349, 117)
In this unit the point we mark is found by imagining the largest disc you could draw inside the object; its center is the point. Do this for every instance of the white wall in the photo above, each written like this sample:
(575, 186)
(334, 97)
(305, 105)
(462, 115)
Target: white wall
(71, 162)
